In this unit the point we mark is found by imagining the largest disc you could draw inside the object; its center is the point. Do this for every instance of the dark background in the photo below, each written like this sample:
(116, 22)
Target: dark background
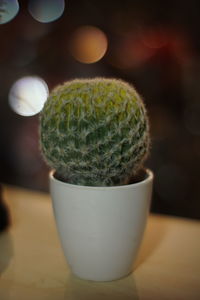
(163, 64)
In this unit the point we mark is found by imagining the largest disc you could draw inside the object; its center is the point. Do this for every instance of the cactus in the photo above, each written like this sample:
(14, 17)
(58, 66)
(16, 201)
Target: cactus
(94, 132)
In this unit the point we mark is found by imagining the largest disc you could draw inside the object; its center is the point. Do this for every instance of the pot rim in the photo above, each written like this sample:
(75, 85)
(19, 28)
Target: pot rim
(146, 180)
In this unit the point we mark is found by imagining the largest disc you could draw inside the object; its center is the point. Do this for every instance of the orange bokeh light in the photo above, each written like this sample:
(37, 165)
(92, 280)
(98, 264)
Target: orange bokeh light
(88, 44)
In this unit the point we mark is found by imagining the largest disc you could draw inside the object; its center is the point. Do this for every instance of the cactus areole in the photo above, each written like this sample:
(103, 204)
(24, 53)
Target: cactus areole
(94, 132)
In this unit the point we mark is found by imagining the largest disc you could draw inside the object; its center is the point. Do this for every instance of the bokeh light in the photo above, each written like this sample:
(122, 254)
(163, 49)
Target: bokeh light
(8, 10)
(28, 95)
(154, 38)
(88, 44)
(46, 11)
(130, 52)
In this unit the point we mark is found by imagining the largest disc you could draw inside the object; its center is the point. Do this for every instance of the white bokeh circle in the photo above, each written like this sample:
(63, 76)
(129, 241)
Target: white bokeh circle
(28, 95)
(46, 11)
(8, 10)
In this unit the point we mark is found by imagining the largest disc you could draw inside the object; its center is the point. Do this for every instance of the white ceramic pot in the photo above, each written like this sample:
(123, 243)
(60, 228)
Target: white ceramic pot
(101, 228)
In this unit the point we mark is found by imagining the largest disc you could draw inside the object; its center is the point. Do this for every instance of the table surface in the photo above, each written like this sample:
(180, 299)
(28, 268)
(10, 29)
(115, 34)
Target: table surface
(32, 264)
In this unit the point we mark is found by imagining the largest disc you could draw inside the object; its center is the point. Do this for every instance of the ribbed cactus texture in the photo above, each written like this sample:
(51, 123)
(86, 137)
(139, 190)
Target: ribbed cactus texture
(94, 131)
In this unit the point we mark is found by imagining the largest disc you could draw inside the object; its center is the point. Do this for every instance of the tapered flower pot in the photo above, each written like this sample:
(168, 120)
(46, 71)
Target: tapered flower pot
(101, 228)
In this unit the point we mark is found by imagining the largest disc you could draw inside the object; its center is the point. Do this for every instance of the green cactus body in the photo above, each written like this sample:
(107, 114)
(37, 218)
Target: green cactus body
(94, 132)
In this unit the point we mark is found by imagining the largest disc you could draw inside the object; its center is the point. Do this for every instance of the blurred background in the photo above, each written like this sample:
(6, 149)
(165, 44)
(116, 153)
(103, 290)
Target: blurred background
(154, 45)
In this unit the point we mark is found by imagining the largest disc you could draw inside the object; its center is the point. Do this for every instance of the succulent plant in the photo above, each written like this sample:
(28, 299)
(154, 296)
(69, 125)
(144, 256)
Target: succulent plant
(94, 132)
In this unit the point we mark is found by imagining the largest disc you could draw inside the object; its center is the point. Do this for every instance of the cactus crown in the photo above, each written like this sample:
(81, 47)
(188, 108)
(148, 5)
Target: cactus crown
(94, 131)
